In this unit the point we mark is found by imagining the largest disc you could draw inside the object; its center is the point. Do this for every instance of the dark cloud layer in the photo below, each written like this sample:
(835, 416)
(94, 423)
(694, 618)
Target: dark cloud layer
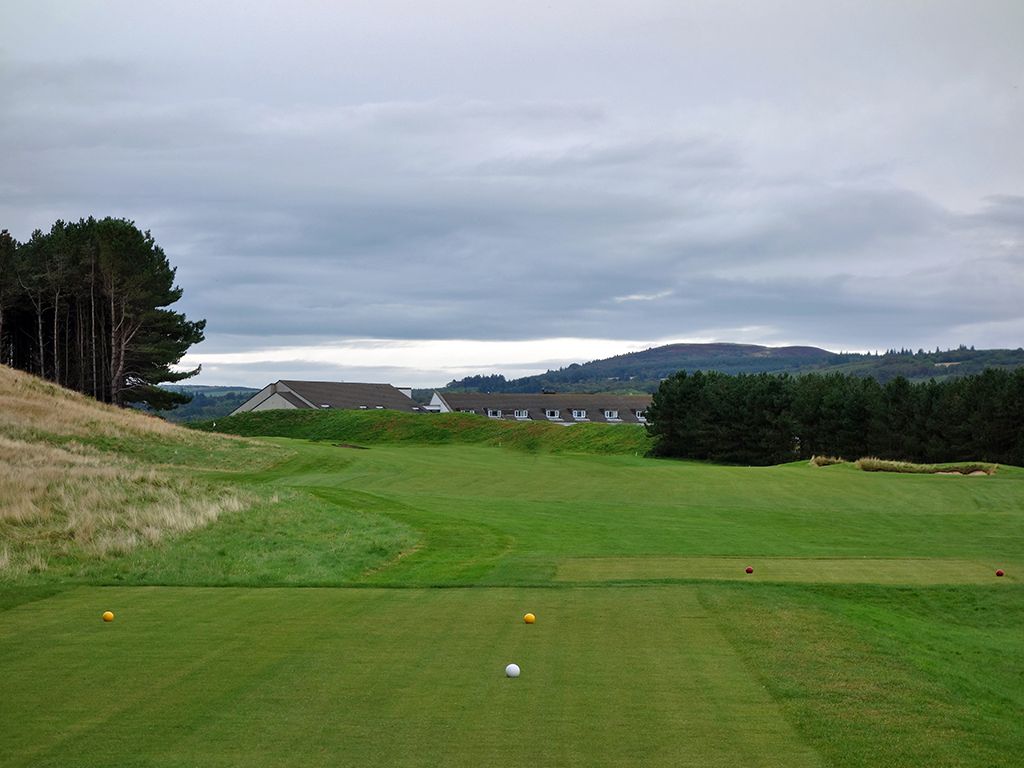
(386, 171)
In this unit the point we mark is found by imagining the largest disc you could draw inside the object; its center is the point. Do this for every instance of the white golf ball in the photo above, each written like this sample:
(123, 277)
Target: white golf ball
(512, 670)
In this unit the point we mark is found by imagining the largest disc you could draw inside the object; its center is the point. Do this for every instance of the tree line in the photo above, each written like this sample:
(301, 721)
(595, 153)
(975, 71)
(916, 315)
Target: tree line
(85, 305)
(769, 419)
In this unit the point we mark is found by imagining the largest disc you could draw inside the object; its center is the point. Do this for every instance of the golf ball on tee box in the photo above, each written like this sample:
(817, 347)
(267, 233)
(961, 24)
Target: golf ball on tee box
(512, 670)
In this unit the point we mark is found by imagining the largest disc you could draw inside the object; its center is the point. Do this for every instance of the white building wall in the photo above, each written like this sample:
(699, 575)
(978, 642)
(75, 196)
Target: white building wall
(438, 404)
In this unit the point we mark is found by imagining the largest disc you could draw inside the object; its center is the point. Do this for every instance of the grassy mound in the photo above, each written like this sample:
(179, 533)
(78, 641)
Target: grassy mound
(383, 427)
(83, 481)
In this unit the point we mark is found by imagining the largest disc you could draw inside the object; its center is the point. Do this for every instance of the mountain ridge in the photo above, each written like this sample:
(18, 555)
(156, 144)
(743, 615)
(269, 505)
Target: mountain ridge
(642, 371)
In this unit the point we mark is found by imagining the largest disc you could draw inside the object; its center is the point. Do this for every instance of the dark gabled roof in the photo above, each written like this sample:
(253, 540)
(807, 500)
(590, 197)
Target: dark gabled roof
(565, 403)
(348, 395)
(298, 402)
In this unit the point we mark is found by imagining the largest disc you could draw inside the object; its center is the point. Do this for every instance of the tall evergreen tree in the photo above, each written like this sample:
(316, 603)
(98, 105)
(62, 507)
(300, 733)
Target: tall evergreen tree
(87, 305)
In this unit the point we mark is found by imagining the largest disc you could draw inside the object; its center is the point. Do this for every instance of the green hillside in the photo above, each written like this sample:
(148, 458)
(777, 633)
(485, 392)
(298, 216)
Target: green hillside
(375, 428)
(643, 371)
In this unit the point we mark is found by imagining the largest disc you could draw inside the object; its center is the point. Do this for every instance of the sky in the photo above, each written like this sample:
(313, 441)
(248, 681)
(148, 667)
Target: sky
(412, 192)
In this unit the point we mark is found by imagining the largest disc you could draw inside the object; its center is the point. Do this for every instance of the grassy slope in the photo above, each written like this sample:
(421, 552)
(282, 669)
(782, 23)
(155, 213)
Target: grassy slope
(372, 428)
(692, 670)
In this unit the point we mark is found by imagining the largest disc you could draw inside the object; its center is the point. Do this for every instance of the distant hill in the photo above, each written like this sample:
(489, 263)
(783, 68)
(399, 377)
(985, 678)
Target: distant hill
(643, 371)
(207, 402)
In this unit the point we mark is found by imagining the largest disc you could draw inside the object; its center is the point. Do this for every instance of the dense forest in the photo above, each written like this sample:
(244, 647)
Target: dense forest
(770, 419)
(86, 305)
(643, 371)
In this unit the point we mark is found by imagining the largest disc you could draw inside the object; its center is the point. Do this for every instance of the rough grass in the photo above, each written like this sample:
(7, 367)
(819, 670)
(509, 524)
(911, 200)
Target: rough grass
(383, 427)
(870, 464)
(76, 502)
(825, 461)
(34, 410)
(84, 481)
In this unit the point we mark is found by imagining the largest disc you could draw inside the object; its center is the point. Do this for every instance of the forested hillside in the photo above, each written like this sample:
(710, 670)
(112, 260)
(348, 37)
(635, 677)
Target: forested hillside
(643, 371)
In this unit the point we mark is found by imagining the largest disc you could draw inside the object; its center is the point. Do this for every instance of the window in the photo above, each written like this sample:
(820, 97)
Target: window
(551, 413)
(640, 415)
(522, 414)
(611, 414)
(494, 413)
(579, 413)
(379, 407)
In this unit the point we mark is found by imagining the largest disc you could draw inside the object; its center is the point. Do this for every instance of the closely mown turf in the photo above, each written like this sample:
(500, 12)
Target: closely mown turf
(382, 678)
(922, 571)
(888, 676)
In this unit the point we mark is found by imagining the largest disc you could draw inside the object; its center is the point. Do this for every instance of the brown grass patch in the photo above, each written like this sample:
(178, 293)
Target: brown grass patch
(871, 464)
(825, 461)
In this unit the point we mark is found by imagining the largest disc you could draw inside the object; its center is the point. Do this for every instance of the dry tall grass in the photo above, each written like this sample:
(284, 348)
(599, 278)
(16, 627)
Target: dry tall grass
(27, 401)
(825, 461)
(871, 464)
(75, 501)
(62, 498)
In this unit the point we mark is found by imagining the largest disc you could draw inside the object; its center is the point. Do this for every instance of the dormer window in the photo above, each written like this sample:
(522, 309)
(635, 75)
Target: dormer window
(521, 414)
(611, 415)
(494, 413)
(552, 413)
(640, 415)
(579, 413)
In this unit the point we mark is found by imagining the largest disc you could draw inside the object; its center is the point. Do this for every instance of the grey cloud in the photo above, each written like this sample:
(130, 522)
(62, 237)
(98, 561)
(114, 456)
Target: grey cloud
(510, 181)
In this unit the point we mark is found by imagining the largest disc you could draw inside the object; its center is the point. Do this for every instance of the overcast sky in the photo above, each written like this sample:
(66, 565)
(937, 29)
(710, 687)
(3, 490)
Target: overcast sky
(413, 191)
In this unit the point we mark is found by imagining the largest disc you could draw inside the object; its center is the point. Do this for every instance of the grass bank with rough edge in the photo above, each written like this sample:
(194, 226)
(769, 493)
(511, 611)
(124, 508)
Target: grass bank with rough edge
(83, 482)
(870, 464)
(384, 427)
